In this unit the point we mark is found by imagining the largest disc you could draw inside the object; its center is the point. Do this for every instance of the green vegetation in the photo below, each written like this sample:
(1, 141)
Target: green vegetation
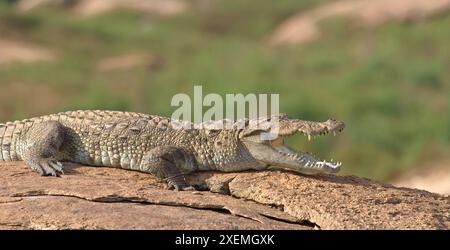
(390, 84)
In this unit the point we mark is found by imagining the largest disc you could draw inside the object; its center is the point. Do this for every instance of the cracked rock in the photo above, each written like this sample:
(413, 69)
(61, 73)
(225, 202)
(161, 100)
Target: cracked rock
(340, 202)
(111, 198)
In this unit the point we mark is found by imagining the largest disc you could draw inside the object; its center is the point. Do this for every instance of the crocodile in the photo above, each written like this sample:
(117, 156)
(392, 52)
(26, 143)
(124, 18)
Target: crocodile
(153, 144)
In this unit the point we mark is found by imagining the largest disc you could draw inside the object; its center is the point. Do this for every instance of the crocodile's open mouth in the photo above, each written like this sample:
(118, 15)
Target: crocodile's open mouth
(273, 151)
(309, 163)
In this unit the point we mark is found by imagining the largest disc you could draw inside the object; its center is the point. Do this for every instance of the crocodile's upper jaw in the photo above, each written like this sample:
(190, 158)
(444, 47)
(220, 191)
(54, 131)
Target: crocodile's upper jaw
(275, 153)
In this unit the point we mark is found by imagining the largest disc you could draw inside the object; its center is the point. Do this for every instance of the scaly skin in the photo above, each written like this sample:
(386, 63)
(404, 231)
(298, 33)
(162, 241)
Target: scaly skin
(151, 144)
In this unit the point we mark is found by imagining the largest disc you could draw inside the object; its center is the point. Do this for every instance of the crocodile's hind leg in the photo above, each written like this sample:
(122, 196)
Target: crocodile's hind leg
(43, 141)
(169, 163)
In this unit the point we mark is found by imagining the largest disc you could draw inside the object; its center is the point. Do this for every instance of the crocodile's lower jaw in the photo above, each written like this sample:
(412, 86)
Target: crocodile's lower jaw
(321, 167)
(305, 163)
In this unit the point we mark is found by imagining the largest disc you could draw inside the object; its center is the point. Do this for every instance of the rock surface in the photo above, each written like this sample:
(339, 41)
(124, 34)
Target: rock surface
(108, 198)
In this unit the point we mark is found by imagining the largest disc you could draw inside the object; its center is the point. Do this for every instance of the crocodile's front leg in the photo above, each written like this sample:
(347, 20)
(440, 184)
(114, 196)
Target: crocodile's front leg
(169, 163)
(42, 143)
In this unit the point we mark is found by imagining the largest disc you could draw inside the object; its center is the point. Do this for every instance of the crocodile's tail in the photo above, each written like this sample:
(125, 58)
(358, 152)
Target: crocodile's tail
(10, 135)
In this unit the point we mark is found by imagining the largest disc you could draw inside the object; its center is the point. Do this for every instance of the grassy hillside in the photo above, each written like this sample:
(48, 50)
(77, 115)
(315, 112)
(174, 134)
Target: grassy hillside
(389, 84)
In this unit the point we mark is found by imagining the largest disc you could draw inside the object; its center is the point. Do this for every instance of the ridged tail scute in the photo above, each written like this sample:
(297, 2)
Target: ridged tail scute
(2, 132)
(4, 156)
(9, 139)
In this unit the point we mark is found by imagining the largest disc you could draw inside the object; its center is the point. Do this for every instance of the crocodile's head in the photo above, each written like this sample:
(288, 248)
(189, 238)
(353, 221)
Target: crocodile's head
(272, 151)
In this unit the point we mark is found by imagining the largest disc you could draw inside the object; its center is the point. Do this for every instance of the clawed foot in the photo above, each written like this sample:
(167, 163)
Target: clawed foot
(47, 167)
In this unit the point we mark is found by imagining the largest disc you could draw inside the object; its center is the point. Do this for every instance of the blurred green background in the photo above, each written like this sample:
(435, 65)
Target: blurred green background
(389, 82)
